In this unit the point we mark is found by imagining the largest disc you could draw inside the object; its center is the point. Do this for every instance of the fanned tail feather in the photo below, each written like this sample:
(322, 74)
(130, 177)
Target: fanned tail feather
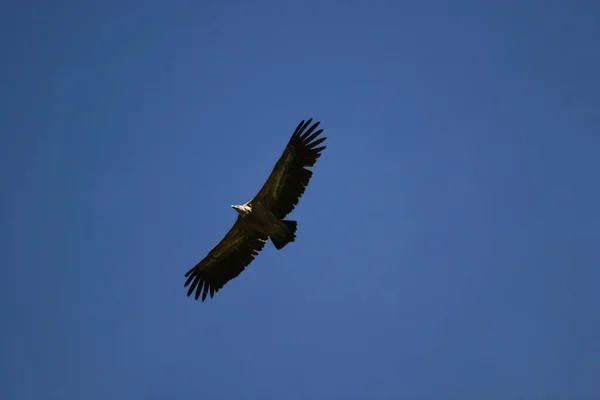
(291, 226)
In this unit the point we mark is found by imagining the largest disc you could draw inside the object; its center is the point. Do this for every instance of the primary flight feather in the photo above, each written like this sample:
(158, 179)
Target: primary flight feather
(261, 218)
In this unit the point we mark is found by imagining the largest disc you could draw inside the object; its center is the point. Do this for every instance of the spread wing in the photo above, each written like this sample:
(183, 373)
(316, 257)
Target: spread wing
(290, 176)
(225, 261)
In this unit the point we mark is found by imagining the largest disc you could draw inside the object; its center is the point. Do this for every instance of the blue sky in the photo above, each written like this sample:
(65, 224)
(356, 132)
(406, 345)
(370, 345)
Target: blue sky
(447, 244)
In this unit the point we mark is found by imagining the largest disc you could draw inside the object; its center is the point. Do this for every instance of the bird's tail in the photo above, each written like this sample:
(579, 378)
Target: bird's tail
(287, 237)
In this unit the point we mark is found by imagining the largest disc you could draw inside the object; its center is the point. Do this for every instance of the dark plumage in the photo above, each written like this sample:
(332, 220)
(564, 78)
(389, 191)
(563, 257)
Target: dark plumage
(261, 218)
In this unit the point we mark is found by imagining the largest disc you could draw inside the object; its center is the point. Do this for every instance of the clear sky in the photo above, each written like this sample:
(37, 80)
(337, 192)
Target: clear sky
(447, 244)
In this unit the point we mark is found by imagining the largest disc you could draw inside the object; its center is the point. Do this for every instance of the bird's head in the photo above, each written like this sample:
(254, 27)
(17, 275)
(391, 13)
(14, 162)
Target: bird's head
(240, 209)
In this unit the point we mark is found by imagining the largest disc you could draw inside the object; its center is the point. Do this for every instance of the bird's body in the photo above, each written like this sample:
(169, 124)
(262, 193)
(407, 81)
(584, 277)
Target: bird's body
(261, 218)
(258, 218)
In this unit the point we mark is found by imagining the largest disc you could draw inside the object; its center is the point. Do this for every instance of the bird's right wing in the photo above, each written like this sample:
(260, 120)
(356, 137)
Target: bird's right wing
(225, 261)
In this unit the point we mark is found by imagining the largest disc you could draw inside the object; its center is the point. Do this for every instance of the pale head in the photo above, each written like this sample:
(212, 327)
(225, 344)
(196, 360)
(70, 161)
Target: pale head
(242, 210)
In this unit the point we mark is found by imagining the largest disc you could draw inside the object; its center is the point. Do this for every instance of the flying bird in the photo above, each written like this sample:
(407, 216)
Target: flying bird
(261, 218)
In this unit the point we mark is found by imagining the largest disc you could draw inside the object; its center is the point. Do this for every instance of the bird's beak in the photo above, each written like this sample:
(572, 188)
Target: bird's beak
(232, 206)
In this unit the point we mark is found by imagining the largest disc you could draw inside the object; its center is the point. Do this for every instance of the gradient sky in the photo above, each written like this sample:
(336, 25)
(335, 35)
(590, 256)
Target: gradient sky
(447, 244)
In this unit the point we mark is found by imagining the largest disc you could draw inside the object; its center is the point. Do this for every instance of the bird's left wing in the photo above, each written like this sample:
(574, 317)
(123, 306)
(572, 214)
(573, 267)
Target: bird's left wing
(290, 175)
(225, 261)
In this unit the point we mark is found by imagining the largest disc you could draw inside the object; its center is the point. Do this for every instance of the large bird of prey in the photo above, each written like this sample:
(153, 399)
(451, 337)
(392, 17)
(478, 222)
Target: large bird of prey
(261, 218)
